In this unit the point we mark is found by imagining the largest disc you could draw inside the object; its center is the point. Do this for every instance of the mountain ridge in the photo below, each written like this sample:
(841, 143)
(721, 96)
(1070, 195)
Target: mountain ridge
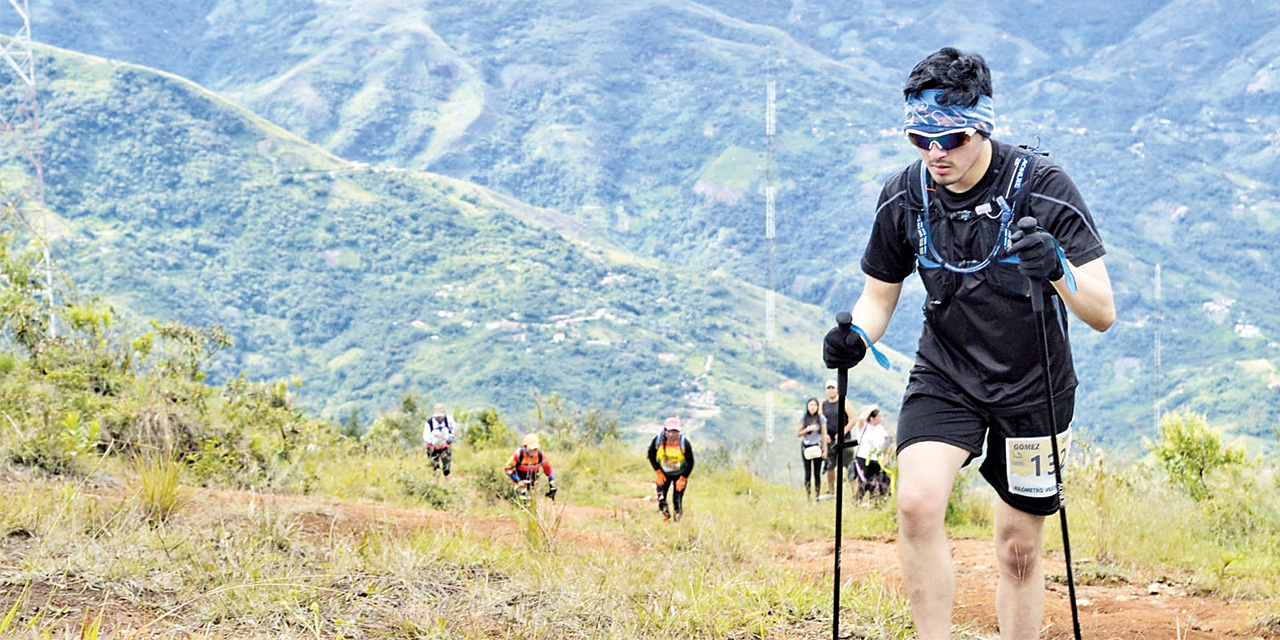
(617, 128)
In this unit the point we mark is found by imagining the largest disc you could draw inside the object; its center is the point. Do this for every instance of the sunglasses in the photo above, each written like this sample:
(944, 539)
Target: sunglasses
(946, 141)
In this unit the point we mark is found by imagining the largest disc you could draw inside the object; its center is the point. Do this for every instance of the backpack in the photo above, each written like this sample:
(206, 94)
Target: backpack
(439, 433)
(523, 459)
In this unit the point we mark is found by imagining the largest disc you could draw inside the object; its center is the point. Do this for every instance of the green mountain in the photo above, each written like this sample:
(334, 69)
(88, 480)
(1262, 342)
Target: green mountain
(644, 121)
(365, 283)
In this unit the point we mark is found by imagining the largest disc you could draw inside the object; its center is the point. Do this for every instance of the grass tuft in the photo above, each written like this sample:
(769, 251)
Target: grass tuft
(160, 495)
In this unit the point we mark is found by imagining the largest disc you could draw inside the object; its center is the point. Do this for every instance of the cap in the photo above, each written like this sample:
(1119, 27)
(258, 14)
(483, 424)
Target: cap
(831, 384)
(671, 424)
(438, 410)
(531, 441)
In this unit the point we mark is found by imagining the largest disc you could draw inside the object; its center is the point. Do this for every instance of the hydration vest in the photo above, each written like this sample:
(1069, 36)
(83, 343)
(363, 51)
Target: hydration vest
(439, 432)
(526, 461)
(1005, 202)
(670, 459)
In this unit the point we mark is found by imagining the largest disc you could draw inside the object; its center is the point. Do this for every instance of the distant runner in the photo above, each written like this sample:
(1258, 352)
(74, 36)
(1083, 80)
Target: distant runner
(524, 465)
(437, 437)
(671, 457)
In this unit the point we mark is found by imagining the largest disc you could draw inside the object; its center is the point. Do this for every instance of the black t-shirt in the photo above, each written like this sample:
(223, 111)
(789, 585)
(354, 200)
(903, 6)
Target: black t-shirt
(981, 340)
(831, 411)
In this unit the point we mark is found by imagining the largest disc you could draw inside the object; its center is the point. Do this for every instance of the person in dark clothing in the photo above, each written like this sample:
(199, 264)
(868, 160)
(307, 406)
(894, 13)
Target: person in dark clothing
(813, 447)
(671, 456)
(955, 216)
(836, 461)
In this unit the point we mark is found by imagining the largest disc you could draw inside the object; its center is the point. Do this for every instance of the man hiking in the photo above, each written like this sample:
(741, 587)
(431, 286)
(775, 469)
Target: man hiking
(437, 437)
(671, 457)
(836, 461)
(524, 465)
(978, 379)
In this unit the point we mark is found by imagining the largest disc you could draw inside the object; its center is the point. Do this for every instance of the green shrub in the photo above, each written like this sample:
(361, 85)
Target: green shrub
(490, 483)
(1188, 450)
(425, 490)
(57, 447)
(484, 429)
(565, 426)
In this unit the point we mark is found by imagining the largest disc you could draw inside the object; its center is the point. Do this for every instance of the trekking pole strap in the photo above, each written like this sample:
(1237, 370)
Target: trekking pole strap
(882, 359)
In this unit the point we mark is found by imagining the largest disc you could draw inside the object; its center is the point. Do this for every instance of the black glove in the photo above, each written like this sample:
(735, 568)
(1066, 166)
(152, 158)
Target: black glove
(1037, 251)
(843, 348)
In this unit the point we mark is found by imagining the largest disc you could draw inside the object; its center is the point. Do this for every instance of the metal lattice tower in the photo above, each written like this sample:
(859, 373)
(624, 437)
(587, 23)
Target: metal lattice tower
(19, 122)
(18, 117)
(770, 189)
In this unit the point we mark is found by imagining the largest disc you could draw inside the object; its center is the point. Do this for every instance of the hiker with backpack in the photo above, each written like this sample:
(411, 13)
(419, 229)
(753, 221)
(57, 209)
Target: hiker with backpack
(671, 456)
(524, 465)
(437, 437)
(873, 441)
(813, 447)
(958, 217)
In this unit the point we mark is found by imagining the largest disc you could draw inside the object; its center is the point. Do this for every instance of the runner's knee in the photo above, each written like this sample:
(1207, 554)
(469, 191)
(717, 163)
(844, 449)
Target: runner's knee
(1018, 559)
(919, 508)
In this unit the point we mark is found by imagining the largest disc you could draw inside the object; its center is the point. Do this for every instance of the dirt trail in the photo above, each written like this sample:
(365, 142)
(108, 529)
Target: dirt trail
(1153, 607)
(1148, 607)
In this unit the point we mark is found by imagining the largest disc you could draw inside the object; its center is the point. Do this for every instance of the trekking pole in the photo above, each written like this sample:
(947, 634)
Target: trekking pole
(845, 320)
(1028, 226)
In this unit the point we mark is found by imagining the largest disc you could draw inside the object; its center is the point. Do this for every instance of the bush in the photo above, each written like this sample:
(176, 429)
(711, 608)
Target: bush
(485, 429)
(567, 427)
(1188, 450)
(491, 483)
(55, 448)
(425, 490)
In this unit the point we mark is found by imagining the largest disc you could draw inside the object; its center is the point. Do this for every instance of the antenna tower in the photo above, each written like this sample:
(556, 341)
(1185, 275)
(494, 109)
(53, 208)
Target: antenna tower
(19, 120)
(770, 188)
(1159, 321)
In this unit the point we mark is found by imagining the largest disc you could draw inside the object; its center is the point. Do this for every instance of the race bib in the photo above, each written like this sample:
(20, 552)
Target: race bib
(1029, 464)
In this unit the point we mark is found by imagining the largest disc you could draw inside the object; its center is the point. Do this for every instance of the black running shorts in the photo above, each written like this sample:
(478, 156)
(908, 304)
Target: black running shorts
(1018, 464)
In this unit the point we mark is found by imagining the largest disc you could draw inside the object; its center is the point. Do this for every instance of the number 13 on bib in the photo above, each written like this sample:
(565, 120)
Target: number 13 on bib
(1029, 464)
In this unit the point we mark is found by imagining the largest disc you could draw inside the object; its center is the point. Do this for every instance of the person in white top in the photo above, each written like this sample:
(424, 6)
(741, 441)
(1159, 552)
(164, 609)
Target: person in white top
(873, 442)
(437, 436)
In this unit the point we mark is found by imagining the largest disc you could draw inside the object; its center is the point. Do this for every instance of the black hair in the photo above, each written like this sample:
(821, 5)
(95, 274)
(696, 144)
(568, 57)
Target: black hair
(812, 418)
(963, 78)
(806, 405)
(874, 413)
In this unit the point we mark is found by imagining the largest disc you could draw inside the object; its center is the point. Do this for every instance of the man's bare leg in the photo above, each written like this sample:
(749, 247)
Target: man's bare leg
(926, 471)
(1019, 540)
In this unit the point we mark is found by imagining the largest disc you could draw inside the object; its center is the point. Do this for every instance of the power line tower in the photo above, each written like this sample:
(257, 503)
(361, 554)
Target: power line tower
(1159, 321)
(18, 118)
(20, 122)
(770, 189)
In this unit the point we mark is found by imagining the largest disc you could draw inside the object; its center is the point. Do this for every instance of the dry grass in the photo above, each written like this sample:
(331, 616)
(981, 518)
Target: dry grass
(164, 561)
(270, 567)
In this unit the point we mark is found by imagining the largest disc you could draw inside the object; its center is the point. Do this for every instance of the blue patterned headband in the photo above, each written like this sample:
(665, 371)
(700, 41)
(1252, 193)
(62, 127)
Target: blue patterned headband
(925, 115)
